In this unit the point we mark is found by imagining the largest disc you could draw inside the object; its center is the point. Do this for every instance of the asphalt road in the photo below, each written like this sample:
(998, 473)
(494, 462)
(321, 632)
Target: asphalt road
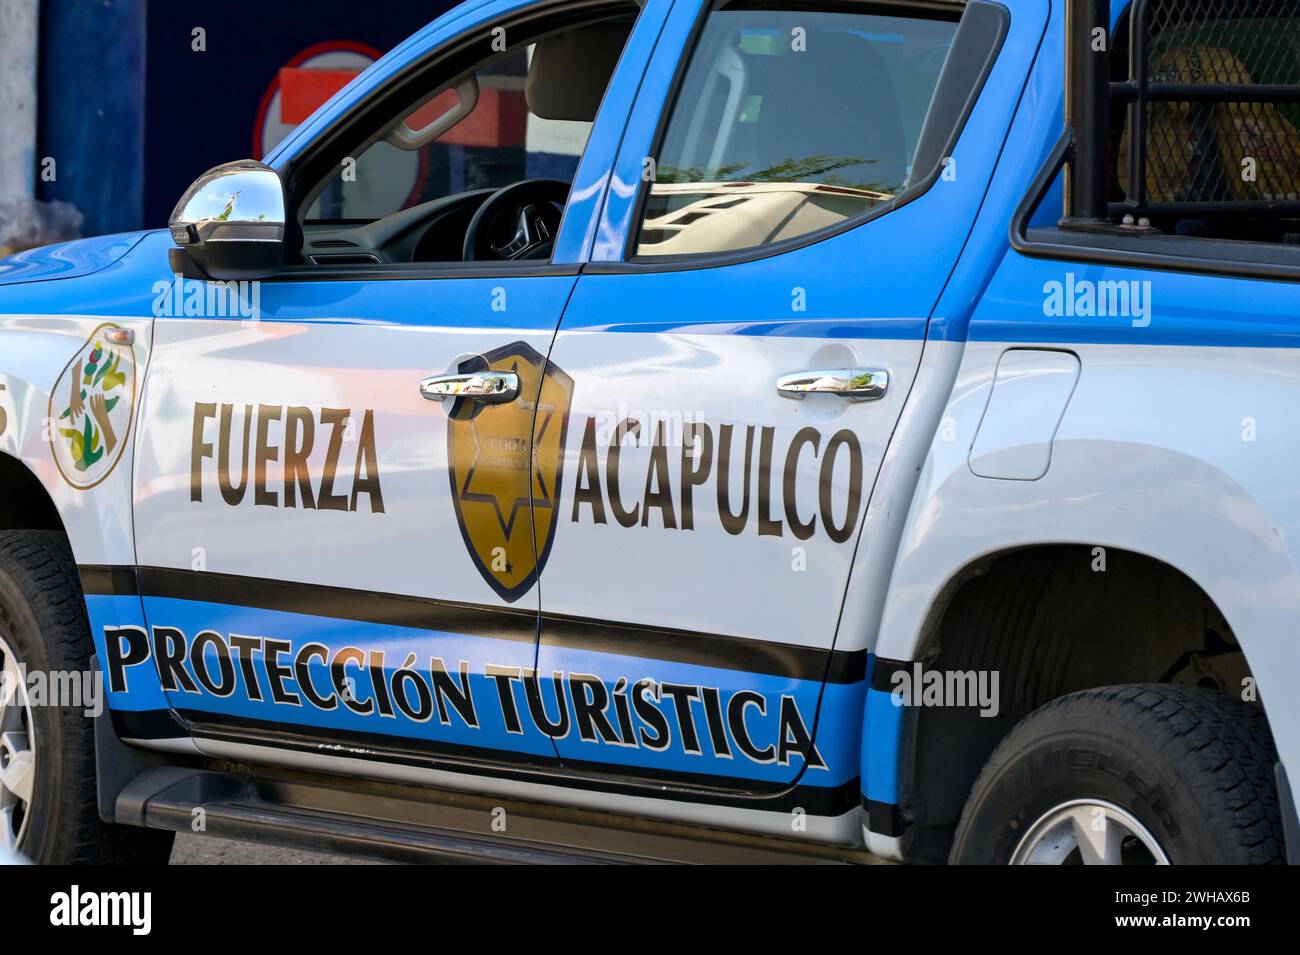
(209, 850)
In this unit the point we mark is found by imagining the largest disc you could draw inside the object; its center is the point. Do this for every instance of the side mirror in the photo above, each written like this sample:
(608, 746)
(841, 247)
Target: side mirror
(231, 221)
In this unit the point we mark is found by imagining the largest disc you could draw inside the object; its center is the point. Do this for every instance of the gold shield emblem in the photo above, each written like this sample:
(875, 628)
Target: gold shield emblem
(506, 464)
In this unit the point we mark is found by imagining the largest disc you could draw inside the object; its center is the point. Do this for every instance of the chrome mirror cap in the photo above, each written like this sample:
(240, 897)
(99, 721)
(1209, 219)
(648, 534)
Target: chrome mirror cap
(231, 221)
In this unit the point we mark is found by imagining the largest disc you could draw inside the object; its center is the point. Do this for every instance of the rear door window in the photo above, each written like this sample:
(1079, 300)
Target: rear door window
(787, 122)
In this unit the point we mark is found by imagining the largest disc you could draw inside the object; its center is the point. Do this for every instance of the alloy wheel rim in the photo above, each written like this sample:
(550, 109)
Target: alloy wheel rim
(1088, 832)
(17, 753)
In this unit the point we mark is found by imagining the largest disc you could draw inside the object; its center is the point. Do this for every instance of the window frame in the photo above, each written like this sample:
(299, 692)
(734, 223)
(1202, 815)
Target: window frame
(983, 57)
(1226, 258)
(306, 173)
(1107, 244)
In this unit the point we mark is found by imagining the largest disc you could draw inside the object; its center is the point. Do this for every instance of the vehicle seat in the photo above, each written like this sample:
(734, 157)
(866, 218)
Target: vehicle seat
(839, 97)
(569, 71)
(1195, 150)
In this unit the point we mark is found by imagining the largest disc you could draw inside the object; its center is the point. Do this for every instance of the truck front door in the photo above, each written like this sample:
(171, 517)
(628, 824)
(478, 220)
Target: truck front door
(336, 570)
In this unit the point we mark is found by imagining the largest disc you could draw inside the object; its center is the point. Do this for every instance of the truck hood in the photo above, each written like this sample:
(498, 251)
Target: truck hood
(67, 259)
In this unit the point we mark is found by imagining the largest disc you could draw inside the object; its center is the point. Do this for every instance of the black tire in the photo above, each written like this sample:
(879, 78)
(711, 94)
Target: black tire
(1193, 766)
(43, 620)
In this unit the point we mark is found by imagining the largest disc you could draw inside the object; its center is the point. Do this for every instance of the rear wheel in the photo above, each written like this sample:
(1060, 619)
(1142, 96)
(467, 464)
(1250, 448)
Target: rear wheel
(49, 809)
(1128, 775)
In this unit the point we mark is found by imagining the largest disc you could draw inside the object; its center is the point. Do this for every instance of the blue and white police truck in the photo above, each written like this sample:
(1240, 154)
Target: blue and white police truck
(692, 430)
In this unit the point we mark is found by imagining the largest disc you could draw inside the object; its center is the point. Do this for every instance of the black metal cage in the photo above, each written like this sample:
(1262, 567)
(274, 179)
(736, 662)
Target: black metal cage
(1200, 120)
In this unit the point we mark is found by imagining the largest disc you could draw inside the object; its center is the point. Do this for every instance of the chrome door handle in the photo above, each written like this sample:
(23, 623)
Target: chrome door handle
(489, 387)
(855, 384)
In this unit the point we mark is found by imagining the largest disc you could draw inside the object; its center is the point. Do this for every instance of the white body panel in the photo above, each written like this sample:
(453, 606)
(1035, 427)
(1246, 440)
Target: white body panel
(314, 365)
(772, 587)
(1154, 455)
(35, 352)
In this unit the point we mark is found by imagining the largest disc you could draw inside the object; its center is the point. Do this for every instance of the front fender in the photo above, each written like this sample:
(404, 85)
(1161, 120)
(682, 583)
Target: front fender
(52, 341)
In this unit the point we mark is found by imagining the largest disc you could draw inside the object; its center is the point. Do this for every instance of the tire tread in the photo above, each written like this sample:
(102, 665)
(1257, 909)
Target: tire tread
(1220, 748)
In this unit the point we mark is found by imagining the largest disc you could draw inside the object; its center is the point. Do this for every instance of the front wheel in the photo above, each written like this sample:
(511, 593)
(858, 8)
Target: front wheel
(1128, 775)
(49, 810)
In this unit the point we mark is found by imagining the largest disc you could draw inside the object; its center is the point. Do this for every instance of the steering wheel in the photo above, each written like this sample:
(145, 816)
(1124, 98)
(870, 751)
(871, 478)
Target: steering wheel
(518, 221)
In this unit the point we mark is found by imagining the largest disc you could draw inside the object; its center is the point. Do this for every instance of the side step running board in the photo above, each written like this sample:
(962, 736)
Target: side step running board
(410, 824)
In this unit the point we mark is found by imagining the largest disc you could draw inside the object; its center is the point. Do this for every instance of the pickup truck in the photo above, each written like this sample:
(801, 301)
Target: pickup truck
(685, 430)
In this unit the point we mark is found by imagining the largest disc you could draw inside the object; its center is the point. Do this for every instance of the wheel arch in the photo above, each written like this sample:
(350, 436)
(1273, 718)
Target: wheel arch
(1177, 516)
(26, 503)
(1038, 623)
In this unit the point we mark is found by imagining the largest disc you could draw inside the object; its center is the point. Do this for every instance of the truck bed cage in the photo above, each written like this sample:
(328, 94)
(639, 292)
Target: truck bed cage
(1210, 111)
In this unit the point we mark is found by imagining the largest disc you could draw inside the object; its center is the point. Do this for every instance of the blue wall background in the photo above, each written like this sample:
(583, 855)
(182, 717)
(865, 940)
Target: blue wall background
(90, 116)
(132, 114)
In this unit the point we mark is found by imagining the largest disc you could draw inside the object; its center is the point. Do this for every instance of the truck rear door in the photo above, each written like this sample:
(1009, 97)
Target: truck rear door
(784, 212)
